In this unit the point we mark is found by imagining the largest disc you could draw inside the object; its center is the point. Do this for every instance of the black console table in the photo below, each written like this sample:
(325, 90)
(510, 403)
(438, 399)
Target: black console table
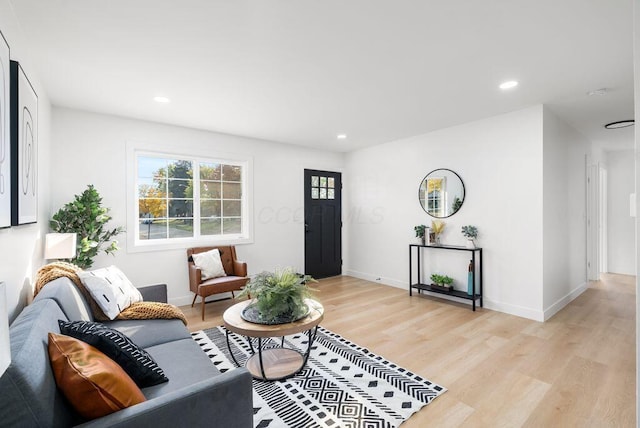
(477, 277)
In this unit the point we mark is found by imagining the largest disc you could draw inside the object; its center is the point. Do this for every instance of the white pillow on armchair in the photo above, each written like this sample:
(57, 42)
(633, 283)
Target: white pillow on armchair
(209, 264)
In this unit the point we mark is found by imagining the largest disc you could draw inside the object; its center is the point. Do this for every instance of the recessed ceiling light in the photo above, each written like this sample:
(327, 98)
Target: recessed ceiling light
(508, 84)
(163, 100)
(620, 124)
(341, 136)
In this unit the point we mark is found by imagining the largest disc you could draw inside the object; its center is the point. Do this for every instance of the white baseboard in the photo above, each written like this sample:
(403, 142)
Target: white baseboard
(519, 311)
(380, 280)
(561, 303)
(186, 300)
(488, 304)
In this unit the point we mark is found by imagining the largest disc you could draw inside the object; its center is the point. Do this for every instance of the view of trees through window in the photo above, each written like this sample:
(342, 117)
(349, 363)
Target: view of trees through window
(186, 198)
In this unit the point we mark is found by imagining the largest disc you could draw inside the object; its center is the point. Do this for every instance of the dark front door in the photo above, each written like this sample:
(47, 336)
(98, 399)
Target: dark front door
(323, 223)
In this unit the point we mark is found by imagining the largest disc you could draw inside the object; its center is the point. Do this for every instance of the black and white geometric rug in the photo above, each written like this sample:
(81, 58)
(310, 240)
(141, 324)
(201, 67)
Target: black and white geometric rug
(342, 385)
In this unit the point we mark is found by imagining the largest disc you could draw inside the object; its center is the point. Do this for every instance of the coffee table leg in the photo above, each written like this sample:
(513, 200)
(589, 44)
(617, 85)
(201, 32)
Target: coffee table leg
(230, 351)
(312, 337)
(264, 376)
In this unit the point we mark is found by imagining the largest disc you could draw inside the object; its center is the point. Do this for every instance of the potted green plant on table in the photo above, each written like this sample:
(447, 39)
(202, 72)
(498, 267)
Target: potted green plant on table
(420, 232)
(86, 217)
(442, 282)
(471, 233)
(278, 297)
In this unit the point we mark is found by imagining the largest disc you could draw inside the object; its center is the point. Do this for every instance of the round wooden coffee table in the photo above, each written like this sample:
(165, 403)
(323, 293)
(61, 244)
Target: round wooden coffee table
(273, 363)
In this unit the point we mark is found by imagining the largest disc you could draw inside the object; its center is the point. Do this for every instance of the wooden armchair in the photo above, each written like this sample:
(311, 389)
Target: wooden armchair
(236, 274)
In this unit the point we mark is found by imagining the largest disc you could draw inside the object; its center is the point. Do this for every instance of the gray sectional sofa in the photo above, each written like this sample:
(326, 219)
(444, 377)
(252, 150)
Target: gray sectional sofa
(197, 394)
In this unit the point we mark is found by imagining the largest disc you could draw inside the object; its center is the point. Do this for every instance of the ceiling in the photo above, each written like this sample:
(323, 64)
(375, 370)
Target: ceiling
(302, 71)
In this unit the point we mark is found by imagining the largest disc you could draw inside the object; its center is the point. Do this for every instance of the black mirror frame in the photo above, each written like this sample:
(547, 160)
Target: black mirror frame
(464, 191)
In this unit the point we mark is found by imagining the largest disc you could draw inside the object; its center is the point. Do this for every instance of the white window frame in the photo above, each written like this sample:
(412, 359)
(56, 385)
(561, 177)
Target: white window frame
(134, 244)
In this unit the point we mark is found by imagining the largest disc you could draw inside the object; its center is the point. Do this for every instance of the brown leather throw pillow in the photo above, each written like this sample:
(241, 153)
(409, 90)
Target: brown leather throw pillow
(94, 384)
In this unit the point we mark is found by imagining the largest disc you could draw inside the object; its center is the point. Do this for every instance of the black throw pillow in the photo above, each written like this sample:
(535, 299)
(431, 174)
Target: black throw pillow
(134, 360)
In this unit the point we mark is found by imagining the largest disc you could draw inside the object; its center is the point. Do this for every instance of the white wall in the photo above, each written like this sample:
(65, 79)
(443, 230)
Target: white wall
(564, 213)
(90, 149)
(620, 225)
(21, 246)
(500, 161)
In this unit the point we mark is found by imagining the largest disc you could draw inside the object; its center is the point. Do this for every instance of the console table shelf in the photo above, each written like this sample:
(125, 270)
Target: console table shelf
(476, 277)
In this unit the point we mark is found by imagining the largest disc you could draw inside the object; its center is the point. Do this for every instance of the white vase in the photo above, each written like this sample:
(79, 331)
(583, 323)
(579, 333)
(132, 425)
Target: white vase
(470, 244)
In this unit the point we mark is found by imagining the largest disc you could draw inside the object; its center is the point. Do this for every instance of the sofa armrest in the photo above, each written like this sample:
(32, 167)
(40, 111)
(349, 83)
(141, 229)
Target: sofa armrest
(154, 293)
(239, 268)
(225, 401)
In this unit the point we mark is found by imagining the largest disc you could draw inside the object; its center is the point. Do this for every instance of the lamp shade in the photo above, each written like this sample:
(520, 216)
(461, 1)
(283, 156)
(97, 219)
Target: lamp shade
(5, 351)
(60, 246)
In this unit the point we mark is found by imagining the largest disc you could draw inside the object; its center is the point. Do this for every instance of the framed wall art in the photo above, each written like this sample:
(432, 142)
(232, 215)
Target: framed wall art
(5, 135)
(24, 148)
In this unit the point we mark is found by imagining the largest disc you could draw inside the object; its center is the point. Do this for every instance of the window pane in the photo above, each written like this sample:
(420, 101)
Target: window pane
(151, 167)
(232, 190)
(180, 169)
(210, 171)
(180, 228)
(210, 189)
(180, 189)
(152, 208)
(314, 181)
(231, 225)
(331, 182)
(323, 181)
(210, 208)
(314, 193)
(231, 173)
(231, 209)
(331, 193)
(323, 193)
(152, 229)
(210, 226)
(180, 207)
(165, 197)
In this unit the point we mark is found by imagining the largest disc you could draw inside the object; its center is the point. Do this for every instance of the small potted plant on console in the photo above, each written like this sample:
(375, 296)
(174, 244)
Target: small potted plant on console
(442, 282)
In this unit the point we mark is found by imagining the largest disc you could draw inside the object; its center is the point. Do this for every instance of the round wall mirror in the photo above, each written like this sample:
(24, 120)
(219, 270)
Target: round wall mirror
(441, 193)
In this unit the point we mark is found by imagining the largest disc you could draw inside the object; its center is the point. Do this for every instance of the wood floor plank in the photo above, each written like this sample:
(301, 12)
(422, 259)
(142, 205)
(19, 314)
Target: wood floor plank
(576, 369)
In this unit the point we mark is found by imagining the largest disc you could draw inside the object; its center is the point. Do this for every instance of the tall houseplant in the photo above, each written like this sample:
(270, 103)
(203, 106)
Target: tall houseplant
(86, 216)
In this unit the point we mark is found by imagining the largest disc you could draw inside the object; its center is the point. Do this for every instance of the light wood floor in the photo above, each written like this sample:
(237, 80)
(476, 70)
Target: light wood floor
(575, 370)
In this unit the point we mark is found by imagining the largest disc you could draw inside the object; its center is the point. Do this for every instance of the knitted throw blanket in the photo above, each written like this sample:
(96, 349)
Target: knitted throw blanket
(137, 311)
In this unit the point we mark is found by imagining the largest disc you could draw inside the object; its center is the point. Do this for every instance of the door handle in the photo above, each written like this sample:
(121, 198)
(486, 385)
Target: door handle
(306, 228)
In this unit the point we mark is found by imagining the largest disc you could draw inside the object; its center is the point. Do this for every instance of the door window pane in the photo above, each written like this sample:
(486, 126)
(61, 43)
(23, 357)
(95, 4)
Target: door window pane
(314, 181)
(323, 193)
(331, 193)
(314, 193)
(323, 181)
(331, 182)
